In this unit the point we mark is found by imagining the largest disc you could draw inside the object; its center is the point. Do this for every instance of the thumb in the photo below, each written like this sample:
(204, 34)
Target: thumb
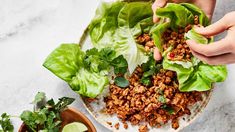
(214, 28)
(157, 4)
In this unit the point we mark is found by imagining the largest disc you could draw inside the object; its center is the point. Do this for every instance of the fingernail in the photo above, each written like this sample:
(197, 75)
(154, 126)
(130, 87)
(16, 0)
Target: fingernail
(157, 54)
(160, 3)
(189, 42)
(197, 28)
(155, 19)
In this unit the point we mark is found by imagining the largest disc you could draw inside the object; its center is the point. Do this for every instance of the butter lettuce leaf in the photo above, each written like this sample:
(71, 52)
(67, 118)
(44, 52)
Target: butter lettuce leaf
(156, 33)
(179, 15)
(68, 63)
(65, 61)
(198, 38)
(203, 19)
(117, 25)
(198, 78)
(88, 83)
(104, 24)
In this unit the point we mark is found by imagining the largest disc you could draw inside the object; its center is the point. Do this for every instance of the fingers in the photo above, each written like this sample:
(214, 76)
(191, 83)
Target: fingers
(215, 28)
(216, 48)
(208, 6)
(216, 60)
(157, 55)
(157, 4)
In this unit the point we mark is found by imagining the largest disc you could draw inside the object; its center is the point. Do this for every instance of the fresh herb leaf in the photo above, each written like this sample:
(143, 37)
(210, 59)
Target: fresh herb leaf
(162, 99)
(150, 68)
(107, 54)
(120, 70)
(33, 119)
(92, 51)
(120, 65)
(52, 122)
(93, 61)
(5, 123)
(146, 81)
(101, 60)
(120, 61)
(63, 103)
(39, 97)
(121, 82)
(51, 102)
(169, 109)
(150, 72)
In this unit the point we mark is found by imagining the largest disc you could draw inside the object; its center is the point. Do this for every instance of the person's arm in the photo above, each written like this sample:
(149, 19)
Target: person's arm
(219, 52)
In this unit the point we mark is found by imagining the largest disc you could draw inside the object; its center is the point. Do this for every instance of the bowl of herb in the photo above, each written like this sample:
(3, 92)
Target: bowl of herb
(49, 116)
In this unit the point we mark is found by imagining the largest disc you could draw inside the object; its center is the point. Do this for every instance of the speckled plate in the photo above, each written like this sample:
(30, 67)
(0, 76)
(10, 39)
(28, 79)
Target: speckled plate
(96, 108)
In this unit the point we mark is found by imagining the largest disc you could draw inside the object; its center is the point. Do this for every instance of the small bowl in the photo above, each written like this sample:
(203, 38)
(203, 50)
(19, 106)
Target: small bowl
(69, 115)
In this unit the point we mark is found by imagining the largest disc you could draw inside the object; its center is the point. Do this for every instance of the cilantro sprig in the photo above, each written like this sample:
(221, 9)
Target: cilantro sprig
(102, 60)
(150, 68)
(5, 123)
(45, 116)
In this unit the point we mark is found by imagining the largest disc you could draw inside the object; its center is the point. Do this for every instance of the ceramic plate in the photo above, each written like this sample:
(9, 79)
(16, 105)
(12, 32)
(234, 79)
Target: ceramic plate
(96, 108)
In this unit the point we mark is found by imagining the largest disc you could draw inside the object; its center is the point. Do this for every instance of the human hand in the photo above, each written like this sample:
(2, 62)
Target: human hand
(207, 7)
(219, 52)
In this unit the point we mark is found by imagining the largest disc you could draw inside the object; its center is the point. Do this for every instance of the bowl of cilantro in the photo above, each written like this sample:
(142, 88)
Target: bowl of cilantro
(55, 117)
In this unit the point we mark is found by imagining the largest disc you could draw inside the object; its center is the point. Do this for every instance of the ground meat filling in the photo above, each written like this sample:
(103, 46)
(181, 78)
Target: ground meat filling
(162, 101)
(176, 40)
(146, 41)
(155, 105)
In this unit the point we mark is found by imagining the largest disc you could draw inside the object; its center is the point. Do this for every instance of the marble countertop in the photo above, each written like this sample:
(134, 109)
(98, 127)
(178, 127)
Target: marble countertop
(31, 29)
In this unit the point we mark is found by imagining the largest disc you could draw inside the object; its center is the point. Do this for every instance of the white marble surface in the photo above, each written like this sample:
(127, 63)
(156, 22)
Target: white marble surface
(31, 29)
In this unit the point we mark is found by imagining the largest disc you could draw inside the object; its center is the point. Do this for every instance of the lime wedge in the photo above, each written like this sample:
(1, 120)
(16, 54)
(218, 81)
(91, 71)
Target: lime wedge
(75, 127)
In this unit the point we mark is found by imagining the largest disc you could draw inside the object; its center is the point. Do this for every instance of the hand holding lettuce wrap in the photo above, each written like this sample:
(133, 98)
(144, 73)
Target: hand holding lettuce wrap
(219, 52)
(170, 39)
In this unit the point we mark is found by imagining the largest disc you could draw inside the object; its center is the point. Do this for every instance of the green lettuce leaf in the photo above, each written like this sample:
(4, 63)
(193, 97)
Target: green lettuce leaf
(88, 83)
(203, 19)
(117, 25)
(198, 78)
(196, 75)
(104, 24)
(65, 61)
(179, 15)
(193, 35)
(157, 32)
(68, 63)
